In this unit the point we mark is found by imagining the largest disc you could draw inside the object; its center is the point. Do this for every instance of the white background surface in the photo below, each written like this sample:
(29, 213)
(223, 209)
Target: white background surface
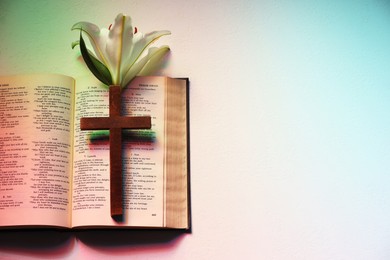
(289, 124)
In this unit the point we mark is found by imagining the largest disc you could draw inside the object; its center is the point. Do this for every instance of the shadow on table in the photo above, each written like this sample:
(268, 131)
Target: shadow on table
(56, 243)
(42, 243)
(128, 237)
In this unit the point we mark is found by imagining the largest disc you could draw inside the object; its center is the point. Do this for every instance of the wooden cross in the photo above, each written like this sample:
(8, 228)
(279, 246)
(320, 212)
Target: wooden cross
(115, 123)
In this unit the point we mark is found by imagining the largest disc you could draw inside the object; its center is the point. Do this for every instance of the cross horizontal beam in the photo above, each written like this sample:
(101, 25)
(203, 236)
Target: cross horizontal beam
(106, 123)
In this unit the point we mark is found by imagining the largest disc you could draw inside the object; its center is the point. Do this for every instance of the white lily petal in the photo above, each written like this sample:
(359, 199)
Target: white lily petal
(154, 61)
(118, 44)
(144, 66)
(97, 39)
(140, 44)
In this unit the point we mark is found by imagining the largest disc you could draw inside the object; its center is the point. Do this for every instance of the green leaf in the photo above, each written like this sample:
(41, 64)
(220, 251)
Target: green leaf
(74, 44)
(95, 66)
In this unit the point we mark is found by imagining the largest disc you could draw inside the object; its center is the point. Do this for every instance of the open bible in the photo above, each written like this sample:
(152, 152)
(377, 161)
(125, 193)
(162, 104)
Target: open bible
(52, 174)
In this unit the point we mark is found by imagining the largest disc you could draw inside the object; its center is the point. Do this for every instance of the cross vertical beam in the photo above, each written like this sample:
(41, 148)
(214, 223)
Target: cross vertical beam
(115, 123)
(116, 178)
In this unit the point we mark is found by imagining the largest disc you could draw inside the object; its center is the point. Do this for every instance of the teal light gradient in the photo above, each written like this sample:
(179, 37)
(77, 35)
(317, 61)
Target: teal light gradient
(323, 96)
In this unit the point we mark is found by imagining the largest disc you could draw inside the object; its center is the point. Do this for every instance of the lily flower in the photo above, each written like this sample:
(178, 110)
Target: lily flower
(119, 53)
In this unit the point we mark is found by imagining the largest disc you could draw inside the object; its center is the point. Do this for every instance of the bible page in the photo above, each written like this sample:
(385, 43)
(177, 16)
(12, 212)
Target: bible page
(36, 149)
(142, 155)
